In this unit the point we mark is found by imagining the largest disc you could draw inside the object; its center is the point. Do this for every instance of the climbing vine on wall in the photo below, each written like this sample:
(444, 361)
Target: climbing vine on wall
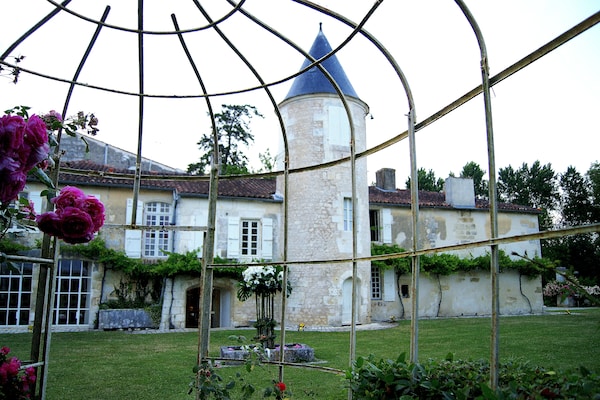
(446, 264)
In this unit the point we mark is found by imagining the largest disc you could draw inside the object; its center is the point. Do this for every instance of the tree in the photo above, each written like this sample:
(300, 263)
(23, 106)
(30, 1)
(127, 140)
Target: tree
(233, 129)
(593, 176)
(534, 187)
(267, 161)
(427, 181)
(577, 252)
(576, 207)
(473, 170)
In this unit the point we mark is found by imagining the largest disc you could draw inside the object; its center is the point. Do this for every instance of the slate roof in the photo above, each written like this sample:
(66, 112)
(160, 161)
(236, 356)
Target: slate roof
(313, 80)
(88, 173)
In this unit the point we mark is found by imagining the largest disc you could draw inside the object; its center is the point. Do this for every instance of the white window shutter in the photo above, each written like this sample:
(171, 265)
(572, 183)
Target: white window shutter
(386, 215)
(389, 285)
(267, 238)
(233, 237)
(133, 243)
(139, 212)
(198, 242)
(37, 202)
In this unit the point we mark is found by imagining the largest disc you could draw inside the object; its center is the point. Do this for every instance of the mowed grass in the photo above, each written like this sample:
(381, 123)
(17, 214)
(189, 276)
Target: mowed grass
(121, 365)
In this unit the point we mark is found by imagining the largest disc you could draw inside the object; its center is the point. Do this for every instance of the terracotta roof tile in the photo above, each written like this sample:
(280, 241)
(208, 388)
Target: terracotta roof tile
(85, 172)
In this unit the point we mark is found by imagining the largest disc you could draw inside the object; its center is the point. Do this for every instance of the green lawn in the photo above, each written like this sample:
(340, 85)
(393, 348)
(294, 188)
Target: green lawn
(121, 365)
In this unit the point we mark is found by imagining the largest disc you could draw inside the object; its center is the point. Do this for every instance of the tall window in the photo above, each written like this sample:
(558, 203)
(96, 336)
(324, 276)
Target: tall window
(15, 294)
(375, 223)
(375, 283)
(250, 237)
(73, 293)
(155, 242)
(347, 214)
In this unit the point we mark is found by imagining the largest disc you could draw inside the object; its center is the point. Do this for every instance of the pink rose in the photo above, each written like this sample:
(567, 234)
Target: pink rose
(50, 223)
(4, 350)
(95, 209)
(35, 156)
(12, 128)
(69, 196)
(77, 225)
(36, 133)
(13, 183)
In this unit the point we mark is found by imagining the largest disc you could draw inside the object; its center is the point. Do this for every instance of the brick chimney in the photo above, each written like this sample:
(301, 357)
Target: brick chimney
(385, 179)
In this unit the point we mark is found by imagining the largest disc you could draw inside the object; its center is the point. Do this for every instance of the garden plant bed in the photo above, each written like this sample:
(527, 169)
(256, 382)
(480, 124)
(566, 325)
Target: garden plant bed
(294, 352)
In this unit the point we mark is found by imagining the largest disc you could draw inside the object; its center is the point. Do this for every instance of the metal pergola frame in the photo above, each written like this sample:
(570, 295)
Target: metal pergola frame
(50, 247)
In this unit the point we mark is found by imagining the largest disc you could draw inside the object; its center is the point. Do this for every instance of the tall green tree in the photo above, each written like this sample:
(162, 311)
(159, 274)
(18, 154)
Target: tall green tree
(576, 206)
(534, 186)
(233, 130)
(593, 176)
(427, 181)
(580, 252)
(473, 170)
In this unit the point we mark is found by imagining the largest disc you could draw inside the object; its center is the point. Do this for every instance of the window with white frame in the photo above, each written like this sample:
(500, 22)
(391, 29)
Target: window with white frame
(347, 214)
(156, 242)
(375, 283)
(15, 294)
(73, 293)
(249, 237)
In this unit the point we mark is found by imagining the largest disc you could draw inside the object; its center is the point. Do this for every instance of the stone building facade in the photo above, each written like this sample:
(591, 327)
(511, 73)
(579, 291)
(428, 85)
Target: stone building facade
(322, 209)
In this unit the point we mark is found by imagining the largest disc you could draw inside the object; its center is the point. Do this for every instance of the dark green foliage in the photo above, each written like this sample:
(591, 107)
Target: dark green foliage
(427, 181)
(458, 379)
(534, 187)
(401, 265)
(473, 170)
(446, 264)
(11, 247)
(232, 127)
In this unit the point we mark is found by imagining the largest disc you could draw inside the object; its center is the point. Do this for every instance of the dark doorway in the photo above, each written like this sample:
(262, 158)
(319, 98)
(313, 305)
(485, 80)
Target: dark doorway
(192, 309)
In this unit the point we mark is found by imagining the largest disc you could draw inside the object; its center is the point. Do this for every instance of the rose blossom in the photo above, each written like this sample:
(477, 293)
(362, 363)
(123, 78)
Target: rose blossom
(70, 196)
(36, 133)
(12, 129)
(280, 386)
(50, 223)
(13, 182)
(95, 209)
(77, 225)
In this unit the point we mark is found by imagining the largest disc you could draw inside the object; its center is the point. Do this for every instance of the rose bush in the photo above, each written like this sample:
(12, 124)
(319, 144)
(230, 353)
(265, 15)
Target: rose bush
(15, 384)
(24, 149)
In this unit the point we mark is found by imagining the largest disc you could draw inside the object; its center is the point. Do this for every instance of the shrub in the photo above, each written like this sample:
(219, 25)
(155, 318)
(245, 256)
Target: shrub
(457, 379)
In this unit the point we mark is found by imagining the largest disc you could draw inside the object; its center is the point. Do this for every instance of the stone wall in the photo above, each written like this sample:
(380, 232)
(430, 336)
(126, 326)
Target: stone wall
(464, 294)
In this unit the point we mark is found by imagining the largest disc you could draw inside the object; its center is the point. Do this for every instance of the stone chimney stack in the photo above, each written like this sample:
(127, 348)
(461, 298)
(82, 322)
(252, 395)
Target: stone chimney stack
(385, 179)
(460, 192)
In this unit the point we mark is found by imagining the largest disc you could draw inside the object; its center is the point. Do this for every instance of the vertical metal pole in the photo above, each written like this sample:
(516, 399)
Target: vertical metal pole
(207, 273)
(494, 266)
(415, 261)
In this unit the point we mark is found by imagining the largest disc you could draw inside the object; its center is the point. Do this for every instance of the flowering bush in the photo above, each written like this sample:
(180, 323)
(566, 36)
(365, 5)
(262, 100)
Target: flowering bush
(24, 148)
(14, 383)
(563, 289)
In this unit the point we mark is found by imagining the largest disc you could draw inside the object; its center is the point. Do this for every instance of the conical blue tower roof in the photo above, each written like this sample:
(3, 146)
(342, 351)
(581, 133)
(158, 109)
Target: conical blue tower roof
(314, 81)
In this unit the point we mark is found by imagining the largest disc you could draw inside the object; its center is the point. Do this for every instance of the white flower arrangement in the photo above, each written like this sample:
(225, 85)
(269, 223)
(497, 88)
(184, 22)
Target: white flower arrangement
(262, 279)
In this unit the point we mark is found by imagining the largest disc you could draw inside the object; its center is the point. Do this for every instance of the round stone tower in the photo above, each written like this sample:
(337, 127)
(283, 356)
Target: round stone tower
(320, 201)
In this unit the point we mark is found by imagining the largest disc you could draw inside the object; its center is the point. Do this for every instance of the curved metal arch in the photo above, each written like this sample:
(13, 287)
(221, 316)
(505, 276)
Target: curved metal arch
(63, 7)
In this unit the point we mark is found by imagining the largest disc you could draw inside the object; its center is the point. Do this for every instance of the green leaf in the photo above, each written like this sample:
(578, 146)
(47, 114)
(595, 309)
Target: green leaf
(41, 175)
